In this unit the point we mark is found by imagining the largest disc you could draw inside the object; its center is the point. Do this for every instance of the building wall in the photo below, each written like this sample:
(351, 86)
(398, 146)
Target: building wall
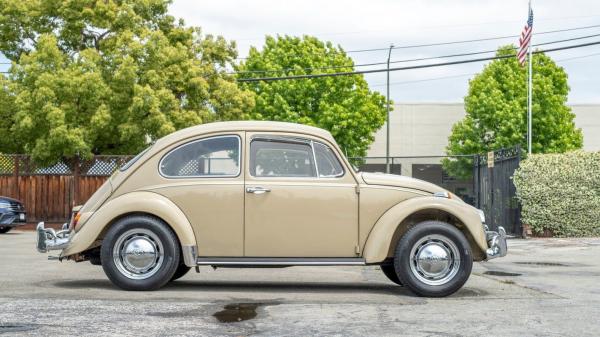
(422, 129)
(587, 117)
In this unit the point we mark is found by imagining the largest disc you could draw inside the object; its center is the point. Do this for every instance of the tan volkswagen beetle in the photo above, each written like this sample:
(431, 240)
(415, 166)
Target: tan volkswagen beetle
(248, 194)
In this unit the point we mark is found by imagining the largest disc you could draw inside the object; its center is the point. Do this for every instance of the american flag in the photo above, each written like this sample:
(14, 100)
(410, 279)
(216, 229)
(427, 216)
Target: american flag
(525, 39)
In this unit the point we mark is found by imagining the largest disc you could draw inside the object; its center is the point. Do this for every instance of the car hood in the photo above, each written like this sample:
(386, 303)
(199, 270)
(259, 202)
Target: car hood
(9, 199)
(400, 181)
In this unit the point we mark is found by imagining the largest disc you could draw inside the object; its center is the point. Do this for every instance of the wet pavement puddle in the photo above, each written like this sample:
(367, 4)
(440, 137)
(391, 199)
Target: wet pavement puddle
(542, 264)
(238, 312)
(500, 273)
(9, 327)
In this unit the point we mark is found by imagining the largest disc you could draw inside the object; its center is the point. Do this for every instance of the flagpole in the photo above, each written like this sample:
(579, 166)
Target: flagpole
(530, 91)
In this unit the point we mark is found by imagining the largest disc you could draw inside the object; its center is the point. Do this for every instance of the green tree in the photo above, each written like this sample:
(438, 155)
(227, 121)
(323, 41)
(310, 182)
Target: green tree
(344, 105)
(107, 76)
(496, 111)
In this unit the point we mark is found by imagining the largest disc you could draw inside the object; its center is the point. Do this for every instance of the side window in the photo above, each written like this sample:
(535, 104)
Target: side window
(277, 158)
(210, 157)
(327, 162)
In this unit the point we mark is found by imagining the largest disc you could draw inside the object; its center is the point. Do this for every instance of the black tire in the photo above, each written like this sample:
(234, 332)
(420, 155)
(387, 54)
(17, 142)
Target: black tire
(152, 230)
(389, 271)
(444, 237)
(180, 272)
(4, 229)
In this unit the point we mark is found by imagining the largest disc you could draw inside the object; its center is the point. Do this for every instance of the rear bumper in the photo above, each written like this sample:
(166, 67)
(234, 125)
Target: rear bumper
(496, 241)
(48, 239)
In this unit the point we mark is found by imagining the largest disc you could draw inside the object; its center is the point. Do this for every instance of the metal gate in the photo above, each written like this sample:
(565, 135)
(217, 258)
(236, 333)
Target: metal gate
(495, 191)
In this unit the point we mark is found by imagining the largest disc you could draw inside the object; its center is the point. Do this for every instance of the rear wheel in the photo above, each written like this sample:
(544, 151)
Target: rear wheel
(180, 272)
(4, 229)
(433, 259)
(140, 253)
(390, 272)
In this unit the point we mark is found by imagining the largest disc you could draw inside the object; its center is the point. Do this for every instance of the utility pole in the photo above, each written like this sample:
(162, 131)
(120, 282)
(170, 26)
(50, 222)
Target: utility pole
(387, 139)
(530, 90)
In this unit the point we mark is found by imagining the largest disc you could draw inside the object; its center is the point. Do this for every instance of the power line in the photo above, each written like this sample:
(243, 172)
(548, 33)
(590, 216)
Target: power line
(471, 74)
(562, 18)
(406, 60)
(424, 80)
(470, 41)
(293, 77)
(578, 57)
(464, 41)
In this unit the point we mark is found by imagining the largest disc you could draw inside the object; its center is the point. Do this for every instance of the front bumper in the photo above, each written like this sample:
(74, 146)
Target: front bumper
(496, 243)
(12, 219)
(48, 239)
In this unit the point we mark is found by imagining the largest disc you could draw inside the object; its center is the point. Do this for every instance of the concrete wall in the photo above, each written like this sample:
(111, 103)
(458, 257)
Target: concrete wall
(422, 129)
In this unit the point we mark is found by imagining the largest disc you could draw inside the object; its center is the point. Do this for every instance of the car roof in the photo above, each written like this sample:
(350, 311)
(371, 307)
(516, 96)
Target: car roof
(266, 126)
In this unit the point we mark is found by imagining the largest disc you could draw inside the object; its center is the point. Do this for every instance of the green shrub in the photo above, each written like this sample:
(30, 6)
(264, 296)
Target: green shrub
(561, 193)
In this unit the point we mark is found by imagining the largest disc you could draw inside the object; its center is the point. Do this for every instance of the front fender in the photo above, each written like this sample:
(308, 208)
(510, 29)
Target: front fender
(380, 238)
(134, 202)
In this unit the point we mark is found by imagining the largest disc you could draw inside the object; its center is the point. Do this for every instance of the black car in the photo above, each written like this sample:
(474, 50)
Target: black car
(12, 214)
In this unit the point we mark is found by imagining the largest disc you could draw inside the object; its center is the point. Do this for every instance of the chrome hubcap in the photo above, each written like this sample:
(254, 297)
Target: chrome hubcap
(435, 260)
(138, 254)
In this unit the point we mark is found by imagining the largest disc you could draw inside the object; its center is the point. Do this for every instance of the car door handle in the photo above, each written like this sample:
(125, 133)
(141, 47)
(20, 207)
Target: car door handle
(257, 190)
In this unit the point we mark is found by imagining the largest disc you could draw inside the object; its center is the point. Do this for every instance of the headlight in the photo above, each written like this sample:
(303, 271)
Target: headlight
(4, 204)
(481, 215)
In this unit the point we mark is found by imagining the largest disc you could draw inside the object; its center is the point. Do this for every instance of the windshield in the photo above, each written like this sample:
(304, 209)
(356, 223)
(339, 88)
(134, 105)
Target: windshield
(134, 159)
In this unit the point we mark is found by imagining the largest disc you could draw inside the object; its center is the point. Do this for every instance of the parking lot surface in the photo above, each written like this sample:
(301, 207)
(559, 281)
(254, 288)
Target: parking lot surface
(544, 287)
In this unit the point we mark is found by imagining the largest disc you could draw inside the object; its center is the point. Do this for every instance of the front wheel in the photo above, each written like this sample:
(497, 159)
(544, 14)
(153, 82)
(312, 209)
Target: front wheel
(389, 271)
(140, 253)
(433, 259)
(4, 229)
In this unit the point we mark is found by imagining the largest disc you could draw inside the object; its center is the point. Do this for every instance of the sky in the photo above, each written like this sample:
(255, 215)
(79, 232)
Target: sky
(355, 24)
(364, 24)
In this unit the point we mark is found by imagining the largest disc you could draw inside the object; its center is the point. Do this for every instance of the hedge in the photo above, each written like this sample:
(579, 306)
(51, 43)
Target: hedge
(560, 193)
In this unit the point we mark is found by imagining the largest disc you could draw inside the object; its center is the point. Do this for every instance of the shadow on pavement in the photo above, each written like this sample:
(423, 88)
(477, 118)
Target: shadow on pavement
(253, 286)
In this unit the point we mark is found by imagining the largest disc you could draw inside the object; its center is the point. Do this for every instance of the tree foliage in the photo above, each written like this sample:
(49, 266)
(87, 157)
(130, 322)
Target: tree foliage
(496, 111)
(344, 105)
(107, 76)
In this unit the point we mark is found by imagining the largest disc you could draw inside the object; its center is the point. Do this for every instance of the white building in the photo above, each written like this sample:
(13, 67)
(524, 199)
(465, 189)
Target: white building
(422, 129)
(419, 133)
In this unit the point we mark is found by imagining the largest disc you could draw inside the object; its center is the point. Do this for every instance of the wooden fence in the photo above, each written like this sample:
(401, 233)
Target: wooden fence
(49, 193)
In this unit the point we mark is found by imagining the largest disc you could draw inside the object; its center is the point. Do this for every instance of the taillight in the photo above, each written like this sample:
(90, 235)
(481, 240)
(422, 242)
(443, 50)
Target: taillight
(74, 220)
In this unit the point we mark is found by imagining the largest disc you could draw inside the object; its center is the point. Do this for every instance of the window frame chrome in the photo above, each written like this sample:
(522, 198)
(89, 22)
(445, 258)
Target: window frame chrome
(294, 140)
(336, 158)
(239, 171)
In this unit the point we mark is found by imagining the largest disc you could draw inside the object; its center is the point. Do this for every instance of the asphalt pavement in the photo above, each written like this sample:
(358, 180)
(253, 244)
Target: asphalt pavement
(544, 287)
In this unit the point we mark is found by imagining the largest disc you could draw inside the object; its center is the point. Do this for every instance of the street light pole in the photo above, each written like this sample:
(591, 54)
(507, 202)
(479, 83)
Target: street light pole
(387, 140)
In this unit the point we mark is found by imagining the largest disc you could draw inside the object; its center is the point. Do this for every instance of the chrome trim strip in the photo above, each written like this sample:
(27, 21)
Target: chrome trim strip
(312, 147)
(189, 255)
(442, 194)
(280, 261)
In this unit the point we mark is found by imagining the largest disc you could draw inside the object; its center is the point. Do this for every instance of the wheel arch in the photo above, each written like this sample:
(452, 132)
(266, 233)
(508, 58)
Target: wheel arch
(140, 203)
(383, 238)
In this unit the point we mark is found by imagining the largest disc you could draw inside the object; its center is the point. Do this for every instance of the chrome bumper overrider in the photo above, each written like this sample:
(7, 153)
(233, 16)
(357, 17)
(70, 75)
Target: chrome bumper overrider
(497, 243)
(48, 239)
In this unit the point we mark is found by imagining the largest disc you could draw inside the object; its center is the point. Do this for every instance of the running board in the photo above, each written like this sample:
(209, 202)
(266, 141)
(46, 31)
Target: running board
(280, 261)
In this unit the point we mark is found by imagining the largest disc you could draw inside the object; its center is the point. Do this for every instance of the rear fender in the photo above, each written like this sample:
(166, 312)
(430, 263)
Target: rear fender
(135, 202)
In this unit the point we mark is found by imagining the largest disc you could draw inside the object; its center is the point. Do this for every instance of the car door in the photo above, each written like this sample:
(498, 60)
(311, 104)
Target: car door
(292, 209)
(204, 178)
